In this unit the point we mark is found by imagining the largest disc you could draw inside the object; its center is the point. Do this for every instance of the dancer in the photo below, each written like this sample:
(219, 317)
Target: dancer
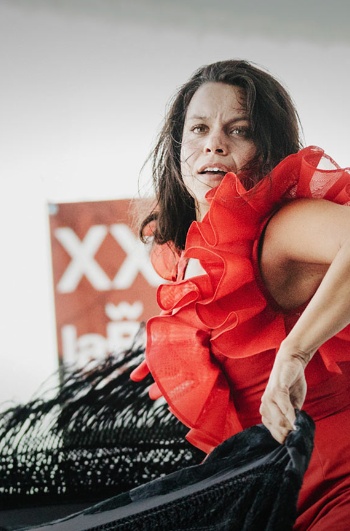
(254, 232)
(251, 231)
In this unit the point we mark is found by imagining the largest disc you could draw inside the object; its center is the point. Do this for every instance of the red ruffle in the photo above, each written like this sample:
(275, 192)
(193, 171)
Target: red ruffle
(225, 312)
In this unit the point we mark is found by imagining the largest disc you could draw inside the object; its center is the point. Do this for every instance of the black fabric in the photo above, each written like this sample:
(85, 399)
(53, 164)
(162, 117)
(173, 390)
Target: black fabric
(249, 483)
(96, 435)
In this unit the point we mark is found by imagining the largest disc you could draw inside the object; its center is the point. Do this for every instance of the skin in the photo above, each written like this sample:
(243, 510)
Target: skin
(216, 135)
(314, 266)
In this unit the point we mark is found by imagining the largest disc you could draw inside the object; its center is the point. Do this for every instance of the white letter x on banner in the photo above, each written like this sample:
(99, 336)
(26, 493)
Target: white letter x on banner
(82, 253)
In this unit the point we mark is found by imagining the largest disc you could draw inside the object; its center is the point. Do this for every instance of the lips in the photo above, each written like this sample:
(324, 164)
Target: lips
(214, 169)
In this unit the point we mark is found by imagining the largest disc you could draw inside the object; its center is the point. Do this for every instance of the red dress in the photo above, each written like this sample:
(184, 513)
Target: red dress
(222, 332)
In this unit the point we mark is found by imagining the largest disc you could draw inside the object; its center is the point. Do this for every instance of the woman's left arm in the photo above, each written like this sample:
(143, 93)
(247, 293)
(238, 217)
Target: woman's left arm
(306, 232)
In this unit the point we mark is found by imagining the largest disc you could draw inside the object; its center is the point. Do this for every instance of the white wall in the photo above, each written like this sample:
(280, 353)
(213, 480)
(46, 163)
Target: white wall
(82, 95)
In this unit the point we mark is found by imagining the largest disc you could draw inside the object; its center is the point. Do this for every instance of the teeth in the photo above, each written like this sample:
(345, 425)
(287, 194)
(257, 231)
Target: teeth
(213, 169)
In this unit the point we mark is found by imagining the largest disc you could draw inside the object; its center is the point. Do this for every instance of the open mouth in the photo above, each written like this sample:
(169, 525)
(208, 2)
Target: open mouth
(213, 171)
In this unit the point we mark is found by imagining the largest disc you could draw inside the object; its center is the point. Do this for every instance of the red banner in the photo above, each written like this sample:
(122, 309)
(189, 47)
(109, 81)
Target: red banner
(104, 283)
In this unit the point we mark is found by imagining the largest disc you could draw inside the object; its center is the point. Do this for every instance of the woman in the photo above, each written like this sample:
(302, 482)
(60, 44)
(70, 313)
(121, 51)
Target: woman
(256, 239)
(253, 237)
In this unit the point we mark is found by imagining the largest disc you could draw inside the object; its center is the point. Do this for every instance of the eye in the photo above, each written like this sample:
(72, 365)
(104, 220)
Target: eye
(200, 128)
(240, 130)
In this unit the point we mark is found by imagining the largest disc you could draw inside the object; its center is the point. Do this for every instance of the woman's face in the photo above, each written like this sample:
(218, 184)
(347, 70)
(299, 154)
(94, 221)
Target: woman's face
(216, 139)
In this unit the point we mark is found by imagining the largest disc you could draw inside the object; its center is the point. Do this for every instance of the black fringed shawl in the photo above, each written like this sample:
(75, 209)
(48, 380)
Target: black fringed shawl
(95, 435)
(100, 437)
(248, 483)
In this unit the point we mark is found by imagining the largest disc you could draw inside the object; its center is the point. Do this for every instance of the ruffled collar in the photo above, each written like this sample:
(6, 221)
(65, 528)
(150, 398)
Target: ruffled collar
(224, 313)
(225, 242)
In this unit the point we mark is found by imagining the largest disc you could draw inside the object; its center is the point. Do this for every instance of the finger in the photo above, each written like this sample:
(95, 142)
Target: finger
(140, 372)
(154, 392)
(275, 420)
(280, 433)
(290, 416)
(275, 416)
(276, 405)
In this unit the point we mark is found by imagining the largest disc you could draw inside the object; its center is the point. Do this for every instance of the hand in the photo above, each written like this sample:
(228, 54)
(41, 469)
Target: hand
(285, 392)
(139, 374)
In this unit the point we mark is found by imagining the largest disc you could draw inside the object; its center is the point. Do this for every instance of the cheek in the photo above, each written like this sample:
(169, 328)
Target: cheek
(188, 150)
(251, 152)
(245, 155)
(184, 153)
(182, 159)
(186, 159)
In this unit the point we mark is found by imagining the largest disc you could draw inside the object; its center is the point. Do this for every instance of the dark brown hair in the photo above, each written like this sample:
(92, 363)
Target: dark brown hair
(274, 129)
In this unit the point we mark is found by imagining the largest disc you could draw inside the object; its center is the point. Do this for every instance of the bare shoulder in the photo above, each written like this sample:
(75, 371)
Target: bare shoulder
(308, 230)
(299, 243)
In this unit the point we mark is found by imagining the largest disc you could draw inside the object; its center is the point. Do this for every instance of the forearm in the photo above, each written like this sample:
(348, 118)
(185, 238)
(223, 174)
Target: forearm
(327, 313)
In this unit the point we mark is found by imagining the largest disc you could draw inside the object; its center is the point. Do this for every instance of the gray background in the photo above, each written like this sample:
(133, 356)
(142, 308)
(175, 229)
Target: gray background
(83, 88)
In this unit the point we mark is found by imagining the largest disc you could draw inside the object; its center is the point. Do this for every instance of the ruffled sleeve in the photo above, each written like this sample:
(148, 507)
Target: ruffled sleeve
(224, 312)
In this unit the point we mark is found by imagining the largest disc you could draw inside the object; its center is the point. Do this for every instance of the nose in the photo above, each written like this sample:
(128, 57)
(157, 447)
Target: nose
(215, 143)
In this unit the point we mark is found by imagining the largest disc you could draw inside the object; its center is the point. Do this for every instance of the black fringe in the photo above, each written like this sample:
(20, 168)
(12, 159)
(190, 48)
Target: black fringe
(96, 435)
(248, 483)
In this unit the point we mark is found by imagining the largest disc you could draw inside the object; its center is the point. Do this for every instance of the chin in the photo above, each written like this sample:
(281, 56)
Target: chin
(213, 182)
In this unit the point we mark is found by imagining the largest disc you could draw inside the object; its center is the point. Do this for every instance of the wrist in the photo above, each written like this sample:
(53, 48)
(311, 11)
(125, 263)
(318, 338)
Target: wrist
(291, 350)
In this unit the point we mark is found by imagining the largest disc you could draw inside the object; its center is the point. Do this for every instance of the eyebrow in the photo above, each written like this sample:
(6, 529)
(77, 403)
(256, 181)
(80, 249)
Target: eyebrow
(243, 116)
